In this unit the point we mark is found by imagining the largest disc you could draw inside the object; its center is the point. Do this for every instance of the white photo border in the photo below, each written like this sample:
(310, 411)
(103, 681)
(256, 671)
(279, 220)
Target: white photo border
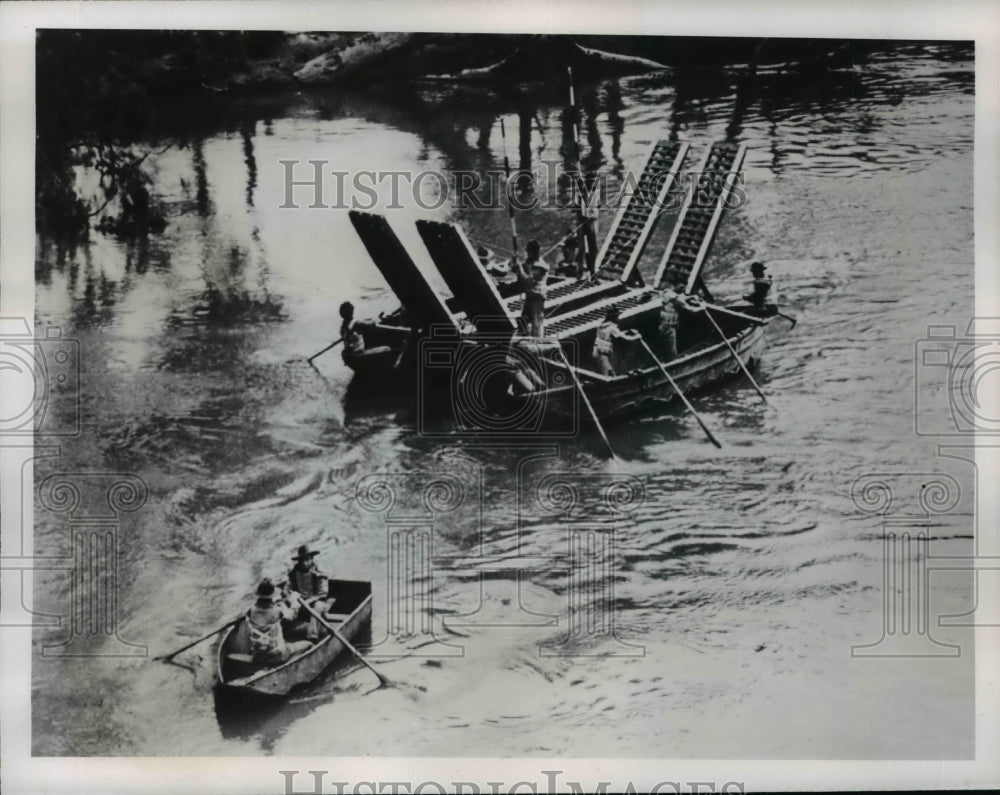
(978, 21)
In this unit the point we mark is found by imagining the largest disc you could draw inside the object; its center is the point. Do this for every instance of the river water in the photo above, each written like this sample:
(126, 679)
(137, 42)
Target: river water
(735, 582)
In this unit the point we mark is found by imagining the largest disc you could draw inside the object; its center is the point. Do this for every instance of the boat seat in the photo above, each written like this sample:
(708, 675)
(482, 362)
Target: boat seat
(240, 658)
(336, 618)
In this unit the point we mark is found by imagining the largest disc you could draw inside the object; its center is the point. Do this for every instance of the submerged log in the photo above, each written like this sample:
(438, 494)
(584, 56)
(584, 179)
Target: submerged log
(546, 55)
(513, 57)
(345, 61)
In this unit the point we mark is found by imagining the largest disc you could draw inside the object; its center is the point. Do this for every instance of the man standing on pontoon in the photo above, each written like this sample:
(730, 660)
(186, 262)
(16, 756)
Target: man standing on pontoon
(533, 276)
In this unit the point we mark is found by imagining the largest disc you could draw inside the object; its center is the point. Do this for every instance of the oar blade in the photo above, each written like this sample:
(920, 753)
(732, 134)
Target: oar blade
(677, 390)
(386, 682)
(736, 356)
(223, 628)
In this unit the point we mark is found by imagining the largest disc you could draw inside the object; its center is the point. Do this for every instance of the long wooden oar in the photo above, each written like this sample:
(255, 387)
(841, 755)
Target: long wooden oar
(510, 206)
(167, 657)
(736, 356)
(386, 682)
(586, 400)
(734, 313)
(751, 318)
(582, 218)
(681, 395)
(334, 344)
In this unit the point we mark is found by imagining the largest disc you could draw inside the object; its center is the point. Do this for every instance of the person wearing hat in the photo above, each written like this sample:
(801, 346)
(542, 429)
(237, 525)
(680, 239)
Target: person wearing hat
(533, 276)
(262, 633)
(309, 583)
(607, 333)
(761, 285)
(303, 576)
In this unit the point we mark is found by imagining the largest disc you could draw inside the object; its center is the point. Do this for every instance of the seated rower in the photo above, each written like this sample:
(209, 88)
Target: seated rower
(310, 584)
(261, 631)
(351, 331)
(761, 285)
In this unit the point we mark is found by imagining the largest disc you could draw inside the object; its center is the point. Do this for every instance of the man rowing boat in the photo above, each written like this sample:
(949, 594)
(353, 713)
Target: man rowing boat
(352, 332)
(762, 283)
(261, 633)
(305, 577)
(310, 584)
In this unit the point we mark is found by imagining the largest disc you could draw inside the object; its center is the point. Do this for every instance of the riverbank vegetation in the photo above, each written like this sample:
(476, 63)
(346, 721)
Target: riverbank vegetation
(96, 92)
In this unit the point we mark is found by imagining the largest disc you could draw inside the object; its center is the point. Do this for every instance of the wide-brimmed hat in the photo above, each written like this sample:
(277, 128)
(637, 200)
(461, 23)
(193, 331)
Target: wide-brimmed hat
(305, 553)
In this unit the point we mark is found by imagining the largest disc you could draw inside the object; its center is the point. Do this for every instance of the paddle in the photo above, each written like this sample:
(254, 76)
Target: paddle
(168, 657)
(736, 356)
(586, 400)
(386, 682)
(681, 395)
(334, 344)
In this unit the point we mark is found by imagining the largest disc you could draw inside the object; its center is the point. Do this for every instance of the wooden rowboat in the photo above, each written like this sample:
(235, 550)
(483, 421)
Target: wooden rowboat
(235, 676)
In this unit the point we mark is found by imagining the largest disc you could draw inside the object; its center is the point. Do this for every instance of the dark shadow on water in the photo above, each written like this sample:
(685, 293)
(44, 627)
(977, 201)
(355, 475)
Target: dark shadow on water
(365, 399)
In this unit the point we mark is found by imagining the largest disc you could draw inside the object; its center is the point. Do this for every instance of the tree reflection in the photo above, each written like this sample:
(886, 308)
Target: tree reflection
(97, 92)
